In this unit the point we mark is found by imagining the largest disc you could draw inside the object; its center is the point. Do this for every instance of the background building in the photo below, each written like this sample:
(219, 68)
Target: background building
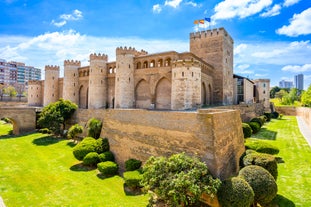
(286, 84)
(299, 81)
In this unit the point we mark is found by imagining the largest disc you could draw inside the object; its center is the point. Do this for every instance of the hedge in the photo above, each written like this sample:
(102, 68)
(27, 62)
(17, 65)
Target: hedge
(132, 164)
(106, 156)
(255, 126)
(87, 145)
(91, 158)
(247, 130)
(132, 178)
(108, 168)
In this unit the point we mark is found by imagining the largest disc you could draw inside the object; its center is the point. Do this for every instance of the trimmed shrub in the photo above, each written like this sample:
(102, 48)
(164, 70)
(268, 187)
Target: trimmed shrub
(108, 168)
(132, 164)
(263, 119)
(262, 183)
(268, 115)
(259, 120)
(74, 130)
(261, 146)
(264, 160)
(235, 192)
(94, 127)
(255, 126)
(275, 115)
(103, 145)
(132, 178)
(45, 131)
(87, 145)
(247, 130)
(91, 158)
(106, 156)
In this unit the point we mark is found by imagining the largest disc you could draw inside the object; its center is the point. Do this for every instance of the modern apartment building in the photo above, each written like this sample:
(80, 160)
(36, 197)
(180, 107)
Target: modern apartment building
(299, 81)
(286, 84)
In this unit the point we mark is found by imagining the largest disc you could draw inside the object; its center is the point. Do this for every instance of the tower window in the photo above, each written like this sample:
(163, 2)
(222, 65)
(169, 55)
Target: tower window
(74, 75)
(129, 66)
(182, 74)
(74, 94)
(129, 80)
(192, 74)
(74, 84)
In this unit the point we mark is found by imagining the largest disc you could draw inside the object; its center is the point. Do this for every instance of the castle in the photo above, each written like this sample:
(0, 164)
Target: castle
(166, 80)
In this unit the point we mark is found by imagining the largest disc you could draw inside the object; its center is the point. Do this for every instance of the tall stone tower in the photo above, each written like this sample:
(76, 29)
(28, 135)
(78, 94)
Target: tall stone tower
(124, 81)
(51, 84)
(216, 48)
(35, 93)
(98, 81)
(71, 81)
(186, 84)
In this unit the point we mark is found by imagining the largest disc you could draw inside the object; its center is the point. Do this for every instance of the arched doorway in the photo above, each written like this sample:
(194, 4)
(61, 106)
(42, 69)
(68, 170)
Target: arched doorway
(203, 94)
(83, 97)
(143, 95)
(163, 94)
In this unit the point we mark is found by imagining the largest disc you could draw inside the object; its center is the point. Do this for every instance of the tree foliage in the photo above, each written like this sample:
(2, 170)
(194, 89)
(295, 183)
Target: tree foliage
(306, 97)
(291, 97)
(179, 179)
(94, 128)
(55, 115)
(74, 130)
(10, 91)
(273, 91)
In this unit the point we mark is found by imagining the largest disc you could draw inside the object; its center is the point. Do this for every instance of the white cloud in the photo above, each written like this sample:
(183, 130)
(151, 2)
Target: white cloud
(239, 49)
(194, 4)
(300, 24)
(64, 18)
(172, 3)
(54, 48)
(261, 75)
(297, 68)
(228, 9)
(156, 8)
(274, 11)
(242, 69)
(288, 3)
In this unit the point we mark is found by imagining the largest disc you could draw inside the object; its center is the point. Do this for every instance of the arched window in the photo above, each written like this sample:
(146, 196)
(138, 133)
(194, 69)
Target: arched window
(145, 64)
(160, 63)
(138, 65)
(152, 64)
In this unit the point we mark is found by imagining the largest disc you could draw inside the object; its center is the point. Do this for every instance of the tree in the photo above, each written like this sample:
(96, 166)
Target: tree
(273, 91)
(306, 97)
(179, 179)
(55, 115)
(10, 91)
(280, 94)
(291, 97)
(74, 130)
(94, 128)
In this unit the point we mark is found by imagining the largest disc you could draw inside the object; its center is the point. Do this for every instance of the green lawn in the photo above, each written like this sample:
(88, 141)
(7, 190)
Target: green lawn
(294, 180)
(37, 170)
(5, 128)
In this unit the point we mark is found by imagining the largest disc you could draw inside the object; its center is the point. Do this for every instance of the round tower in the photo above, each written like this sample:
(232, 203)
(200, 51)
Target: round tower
(35, 93)
(124, 81)
(71, 81)
(186, 84)
(51, 84)
(98, 81)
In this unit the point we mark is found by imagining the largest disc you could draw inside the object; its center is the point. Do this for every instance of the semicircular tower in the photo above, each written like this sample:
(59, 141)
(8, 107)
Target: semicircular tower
(35, 97)
(51, 84)
(71, 81)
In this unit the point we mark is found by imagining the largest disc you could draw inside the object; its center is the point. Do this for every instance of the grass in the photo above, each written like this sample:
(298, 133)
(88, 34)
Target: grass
(294, 180)
(38, 170)
(5, 128)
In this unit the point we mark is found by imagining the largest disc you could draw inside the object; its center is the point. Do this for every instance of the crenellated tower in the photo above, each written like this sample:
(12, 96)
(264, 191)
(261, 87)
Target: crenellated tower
(216, 48)
(124, 81)
(186, 84)
(51, 84)
(35, 92)
(98, 81)
(71, 81)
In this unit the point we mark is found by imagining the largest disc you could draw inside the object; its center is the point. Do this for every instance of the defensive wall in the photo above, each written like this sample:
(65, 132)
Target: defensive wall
(214, 135)
(303, 112)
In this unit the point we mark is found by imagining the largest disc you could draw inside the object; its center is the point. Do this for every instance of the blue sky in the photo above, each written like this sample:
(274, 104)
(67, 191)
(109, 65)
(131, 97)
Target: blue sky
(271, 37)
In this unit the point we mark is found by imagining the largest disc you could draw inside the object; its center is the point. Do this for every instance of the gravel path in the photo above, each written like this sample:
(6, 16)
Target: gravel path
(304, 129)
(1, 202)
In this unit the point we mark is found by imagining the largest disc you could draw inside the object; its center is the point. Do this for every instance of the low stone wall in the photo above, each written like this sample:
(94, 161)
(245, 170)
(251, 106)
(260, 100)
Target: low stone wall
(303, 112)
(247, 111)
(214, 135)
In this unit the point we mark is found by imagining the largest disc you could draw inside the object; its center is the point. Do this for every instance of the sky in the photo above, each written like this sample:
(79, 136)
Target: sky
(271, 37)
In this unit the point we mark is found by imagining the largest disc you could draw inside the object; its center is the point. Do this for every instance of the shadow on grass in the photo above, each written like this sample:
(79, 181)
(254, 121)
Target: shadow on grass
(7, 136)
(265, 134)
(81, 168)
(71, 144)
(283, 202)
(132, 191)
(45, 141)
(102, 176)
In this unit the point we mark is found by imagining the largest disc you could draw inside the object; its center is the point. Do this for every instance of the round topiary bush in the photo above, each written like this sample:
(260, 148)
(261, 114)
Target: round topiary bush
(132, 164)
(87, 145)
(264, 160)
(261, 146)
(262, 183)
(275, 115)
(268, 115)
(258, 120)
(247, 130)
(91, 159)
(45, 131)
(106, 156)
(235, 192)
(108, 168)
(132, 178)
(255, 126)
(103, 145)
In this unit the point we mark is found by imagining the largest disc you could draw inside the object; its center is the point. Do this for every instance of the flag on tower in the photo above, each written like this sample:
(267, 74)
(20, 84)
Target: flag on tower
(208, 19)
(196, 22)
(201, 21)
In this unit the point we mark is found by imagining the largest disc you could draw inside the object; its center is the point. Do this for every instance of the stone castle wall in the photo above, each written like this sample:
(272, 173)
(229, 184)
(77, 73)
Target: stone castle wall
(304, 112)
(214, 135)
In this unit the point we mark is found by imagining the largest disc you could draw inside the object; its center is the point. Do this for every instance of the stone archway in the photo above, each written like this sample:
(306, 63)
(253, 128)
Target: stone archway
(203, 94)
(163, 94)
(143, 95)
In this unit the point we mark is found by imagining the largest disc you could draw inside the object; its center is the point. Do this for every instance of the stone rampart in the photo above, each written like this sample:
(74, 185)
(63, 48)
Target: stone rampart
(303, 112)
(214, 135)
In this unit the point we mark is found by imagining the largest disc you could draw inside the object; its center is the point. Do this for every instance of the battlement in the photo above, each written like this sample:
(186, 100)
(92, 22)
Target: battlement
(125, 50)
(209, 33)
(140, 53)
(186, 63)
(34, 82)
(99, 57)
(72, 63)
(51, 67)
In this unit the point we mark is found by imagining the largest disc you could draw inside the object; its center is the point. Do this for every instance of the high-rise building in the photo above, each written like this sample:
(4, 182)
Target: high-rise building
(286, 84)
(299, 81)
